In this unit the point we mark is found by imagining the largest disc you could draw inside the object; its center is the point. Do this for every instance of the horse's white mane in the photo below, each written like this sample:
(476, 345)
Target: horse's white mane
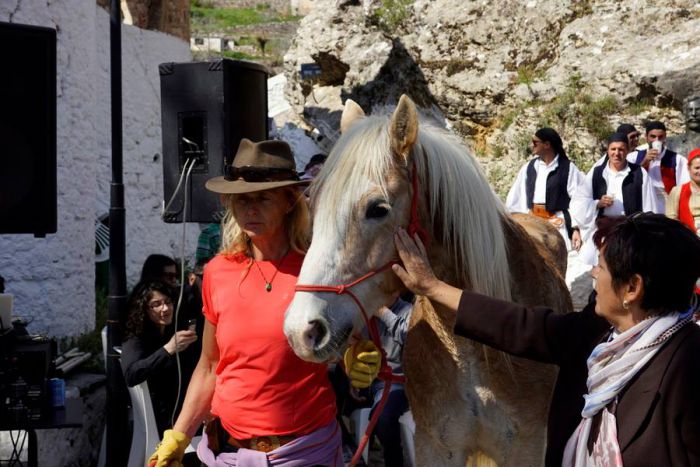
(470, 213)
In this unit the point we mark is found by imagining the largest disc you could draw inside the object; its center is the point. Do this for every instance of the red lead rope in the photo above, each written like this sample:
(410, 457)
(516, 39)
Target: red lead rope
(385, 374)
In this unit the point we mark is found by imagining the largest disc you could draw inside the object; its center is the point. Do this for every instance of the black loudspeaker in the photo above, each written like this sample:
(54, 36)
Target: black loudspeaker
(27, 130)
(206, 108)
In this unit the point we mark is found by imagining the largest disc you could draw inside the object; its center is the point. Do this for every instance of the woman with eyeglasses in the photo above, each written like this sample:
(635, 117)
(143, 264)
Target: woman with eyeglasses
(148, 353)
(629, 372)
(261, 402)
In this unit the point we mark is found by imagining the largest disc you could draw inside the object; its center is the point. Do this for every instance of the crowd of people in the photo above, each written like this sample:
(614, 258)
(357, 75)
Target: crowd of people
(260, 402)
(628, 179)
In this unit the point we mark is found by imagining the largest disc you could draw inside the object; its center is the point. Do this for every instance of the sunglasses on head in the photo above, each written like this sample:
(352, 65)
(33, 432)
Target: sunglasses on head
(259, 174)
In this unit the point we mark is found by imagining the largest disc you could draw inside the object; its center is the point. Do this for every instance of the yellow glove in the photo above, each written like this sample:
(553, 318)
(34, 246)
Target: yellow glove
(170, 451)
(362, 363)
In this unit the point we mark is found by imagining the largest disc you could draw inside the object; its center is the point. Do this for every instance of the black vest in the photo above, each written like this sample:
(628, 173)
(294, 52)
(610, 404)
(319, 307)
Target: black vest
(669, 159)
(556, 196)
(631, 187)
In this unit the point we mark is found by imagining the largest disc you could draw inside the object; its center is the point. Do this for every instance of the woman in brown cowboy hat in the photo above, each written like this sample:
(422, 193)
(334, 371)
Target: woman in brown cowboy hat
(268, 403)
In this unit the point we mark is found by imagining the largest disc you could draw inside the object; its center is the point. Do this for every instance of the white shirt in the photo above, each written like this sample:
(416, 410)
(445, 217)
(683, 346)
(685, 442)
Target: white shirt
(614, 180)
(654, 172)
(516, 201)
(584, 208)
(543, 170)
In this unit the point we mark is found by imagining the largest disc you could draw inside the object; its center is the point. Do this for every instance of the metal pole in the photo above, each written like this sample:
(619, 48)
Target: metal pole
(116, 421)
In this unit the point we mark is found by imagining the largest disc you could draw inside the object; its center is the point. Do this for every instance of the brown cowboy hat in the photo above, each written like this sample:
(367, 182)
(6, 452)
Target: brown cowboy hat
(257, 167)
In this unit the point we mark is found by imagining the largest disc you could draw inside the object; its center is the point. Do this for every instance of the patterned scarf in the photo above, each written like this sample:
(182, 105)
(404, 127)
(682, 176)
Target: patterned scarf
(610, 367)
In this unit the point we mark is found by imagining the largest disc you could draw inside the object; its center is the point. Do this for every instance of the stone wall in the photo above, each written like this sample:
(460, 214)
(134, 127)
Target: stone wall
(53, 278)
(169, 16)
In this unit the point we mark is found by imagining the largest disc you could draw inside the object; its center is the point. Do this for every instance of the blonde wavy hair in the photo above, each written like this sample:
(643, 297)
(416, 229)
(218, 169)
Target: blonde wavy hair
(296, 222)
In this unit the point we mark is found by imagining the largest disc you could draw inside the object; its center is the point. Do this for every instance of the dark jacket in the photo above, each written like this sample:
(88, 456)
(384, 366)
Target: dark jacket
(658, 414)
(143, 358)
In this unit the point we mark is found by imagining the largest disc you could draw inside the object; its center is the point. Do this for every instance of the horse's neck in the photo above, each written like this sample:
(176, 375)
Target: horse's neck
(444, 266)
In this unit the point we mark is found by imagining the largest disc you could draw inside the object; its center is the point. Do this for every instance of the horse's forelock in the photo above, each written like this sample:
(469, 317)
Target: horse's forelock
(469, 212)
(361, 158)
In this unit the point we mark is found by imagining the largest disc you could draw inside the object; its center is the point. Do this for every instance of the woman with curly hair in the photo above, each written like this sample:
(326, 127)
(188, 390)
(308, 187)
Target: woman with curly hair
(148, 354)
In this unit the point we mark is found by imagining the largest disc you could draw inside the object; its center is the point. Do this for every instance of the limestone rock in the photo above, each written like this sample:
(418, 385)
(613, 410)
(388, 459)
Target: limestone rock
(499, 69)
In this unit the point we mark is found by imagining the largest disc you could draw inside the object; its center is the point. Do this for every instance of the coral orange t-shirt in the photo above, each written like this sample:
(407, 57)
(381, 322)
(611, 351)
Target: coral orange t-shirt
(262, 387)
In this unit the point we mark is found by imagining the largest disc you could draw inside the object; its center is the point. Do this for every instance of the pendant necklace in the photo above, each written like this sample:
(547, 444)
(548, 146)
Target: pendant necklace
(268, 284)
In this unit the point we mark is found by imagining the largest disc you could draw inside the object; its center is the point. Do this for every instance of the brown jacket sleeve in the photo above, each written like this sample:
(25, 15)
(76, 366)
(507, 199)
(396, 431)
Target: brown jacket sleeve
(536, 333)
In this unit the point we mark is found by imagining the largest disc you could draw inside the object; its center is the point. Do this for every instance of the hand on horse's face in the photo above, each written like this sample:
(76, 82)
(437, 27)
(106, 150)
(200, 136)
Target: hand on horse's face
(416, 273)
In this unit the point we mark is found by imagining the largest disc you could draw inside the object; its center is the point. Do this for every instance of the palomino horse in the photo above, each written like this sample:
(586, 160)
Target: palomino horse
(470, 403)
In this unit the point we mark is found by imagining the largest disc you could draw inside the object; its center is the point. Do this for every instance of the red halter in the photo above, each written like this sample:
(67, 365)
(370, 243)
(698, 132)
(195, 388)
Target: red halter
(385, 374)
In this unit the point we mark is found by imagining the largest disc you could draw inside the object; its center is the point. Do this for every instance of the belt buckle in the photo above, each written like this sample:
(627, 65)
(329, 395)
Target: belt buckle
(265, 443)
(556, 221)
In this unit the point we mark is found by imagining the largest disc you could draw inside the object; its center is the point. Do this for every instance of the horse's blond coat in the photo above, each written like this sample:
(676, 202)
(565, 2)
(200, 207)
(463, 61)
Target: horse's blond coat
(469, 402)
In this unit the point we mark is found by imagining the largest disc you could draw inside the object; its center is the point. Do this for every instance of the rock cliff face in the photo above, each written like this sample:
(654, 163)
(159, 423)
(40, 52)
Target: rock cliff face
(494, 71)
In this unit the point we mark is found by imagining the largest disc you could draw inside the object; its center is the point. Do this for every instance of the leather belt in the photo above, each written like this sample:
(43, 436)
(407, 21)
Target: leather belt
(261, 443)
(540, 210)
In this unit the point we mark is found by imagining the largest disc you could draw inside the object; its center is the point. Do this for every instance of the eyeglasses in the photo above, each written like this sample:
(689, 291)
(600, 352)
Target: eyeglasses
(158, 304)
(259, 174)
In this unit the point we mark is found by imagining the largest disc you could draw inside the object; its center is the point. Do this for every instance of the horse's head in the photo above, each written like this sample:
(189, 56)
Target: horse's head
(361, 196)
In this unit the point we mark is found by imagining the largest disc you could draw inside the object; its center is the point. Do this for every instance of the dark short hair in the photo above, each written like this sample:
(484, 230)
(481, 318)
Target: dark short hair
(137, 304)
(154, 265)
(654, 125)
(625, 128)
(663, 251)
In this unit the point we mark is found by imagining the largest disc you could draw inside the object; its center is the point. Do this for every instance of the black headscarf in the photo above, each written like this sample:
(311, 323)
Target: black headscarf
(552, 137)
(618, 138)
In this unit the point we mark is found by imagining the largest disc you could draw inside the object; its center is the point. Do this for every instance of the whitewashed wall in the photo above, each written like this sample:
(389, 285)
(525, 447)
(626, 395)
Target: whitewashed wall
(52, 278)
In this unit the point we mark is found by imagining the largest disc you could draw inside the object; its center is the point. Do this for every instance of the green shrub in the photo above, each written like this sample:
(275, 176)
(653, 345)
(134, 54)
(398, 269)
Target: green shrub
(527, 74)
(222, 18)
(640, 105)
(392, 14)
(236, 55)
(595, 114)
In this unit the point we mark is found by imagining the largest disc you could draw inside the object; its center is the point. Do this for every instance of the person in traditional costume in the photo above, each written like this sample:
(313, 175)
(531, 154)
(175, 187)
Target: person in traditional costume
(665, 167)
(631, 132)
(545, 185)
(629, 372)
(616, 187)
(683, 203)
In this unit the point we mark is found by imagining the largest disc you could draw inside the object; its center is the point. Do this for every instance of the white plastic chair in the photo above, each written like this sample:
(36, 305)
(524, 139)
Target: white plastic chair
(408, 431)
(360, 420)
(145, 432)
(144, 436)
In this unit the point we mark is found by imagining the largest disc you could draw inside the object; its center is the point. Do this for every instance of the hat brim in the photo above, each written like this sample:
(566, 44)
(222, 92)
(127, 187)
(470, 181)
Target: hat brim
(235, 187)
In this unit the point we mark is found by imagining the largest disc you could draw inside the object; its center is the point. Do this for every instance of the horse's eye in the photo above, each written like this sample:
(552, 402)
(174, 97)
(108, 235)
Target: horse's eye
(377, 210)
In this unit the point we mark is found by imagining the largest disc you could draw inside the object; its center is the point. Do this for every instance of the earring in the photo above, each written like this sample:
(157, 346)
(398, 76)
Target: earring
(625, 304)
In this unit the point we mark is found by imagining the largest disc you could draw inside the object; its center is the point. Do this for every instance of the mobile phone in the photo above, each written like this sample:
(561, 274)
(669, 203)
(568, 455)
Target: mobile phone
(192, 324)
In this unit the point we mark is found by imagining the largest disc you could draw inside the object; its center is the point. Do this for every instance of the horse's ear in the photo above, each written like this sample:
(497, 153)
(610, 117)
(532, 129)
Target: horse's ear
(351, 113)
(403, 128)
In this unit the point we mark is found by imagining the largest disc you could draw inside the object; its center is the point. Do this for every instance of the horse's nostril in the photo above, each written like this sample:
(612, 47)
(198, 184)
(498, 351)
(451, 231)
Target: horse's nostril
(315, 333)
